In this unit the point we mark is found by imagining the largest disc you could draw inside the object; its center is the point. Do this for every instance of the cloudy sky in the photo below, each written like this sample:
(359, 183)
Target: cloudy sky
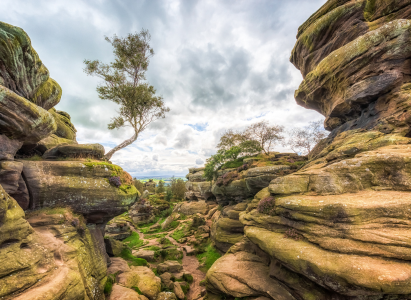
(218, 65)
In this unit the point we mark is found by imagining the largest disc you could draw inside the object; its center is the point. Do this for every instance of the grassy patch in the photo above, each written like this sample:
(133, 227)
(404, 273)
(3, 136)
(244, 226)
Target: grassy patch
(137, 290)
(133, 241)
(134, 261)
(34, 158)
(209, 256)
(155, 236)
(109, 283)
(179, 233)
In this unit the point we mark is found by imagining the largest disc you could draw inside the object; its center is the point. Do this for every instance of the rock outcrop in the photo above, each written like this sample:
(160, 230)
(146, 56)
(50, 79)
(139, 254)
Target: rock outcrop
(83, 186)
(52, 255)
(198, 188)
(338, 228)
(59, 251)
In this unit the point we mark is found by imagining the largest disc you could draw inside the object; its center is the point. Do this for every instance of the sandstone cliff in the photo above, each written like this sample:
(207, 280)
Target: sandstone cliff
(339, 227)
(59, 251)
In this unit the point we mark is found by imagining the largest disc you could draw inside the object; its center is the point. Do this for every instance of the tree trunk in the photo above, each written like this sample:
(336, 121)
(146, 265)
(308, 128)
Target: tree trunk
(121, 146)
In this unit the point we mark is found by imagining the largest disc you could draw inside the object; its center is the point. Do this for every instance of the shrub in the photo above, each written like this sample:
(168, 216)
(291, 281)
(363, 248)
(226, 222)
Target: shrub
(267, 206)
(169, 195)
(242, 168)
(115, 180)
(139, 186)
(126, 178)
(178, 187)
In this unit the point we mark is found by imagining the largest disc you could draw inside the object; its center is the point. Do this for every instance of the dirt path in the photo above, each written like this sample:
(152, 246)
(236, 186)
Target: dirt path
(190, 264)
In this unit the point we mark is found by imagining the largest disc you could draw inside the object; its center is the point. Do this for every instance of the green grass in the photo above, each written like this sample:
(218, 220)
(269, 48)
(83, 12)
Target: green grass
(134, 261)
(233, 163)
(179, 233)
(209, 256)
(34, 158)
(133, 241)
(173, 225)
(154, 248)
(137, 290)
(155, 236)
(109, 283)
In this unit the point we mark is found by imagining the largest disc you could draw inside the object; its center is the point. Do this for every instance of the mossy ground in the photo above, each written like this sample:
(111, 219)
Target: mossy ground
(208, 257)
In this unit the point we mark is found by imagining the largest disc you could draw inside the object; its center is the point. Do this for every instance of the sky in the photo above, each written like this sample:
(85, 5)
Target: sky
(221, 64)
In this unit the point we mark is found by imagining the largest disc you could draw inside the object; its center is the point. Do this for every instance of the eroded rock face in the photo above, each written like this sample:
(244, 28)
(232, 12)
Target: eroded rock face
(354, 57)
(22, 71)
(339, 227)
(50, 255)
(226, 229)
(82, 187)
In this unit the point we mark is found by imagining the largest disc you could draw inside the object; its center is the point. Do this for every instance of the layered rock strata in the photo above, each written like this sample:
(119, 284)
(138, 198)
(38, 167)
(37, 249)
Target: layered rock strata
(339, 227)
(52, 255)
(59, 252)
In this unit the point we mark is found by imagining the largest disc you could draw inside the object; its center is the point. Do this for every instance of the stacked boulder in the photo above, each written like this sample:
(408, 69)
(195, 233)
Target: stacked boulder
(198, 188)
(338, 228)
(58, 252)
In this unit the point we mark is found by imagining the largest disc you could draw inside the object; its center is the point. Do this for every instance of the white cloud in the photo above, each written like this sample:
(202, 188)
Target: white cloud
(218, 65)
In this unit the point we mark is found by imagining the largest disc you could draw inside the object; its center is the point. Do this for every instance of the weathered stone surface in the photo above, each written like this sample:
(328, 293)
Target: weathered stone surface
(50, 258)
(8, 147)
(384, 168)
(198, 190)
(259, 178)
(192, 208)
(244, 272)
(65, 129)
(118, 265)
(178, 291)
(122, 293)
(148, 255)
(22, 120)
(144, 279)
(170, 266)
(166, 296)
(142, 211)
(354, 71)
(94, 151)
(113, 246)
(22, 71)
(82, 186)
(227, 231)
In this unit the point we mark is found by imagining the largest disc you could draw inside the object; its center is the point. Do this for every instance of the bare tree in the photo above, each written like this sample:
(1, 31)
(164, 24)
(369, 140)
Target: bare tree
(267, 136)
(124, 84)
(304, 139)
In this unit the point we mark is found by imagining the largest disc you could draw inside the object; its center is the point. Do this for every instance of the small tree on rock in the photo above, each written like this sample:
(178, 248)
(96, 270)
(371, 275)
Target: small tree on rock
(124, 84)
(303, 140)
(267, 136)
(160, 187)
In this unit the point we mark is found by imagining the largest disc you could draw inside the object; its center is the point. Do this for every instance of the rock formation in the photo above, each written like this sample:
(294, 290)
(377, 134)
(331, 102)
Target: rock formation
(339, 227)
(59, 251)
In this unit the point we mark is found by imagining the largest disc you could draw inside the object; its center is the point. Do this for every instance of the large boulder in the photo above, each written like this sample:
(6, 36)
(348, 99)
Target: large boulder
(22, 120)
(199, 191)
(192, 208)
(143, 278)
(53, 255)
(21, 70)
(122, 293)
(353, 72)
(246, 271)
(226, 229)
(65, 129)
(92, 151)
(82, 186)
